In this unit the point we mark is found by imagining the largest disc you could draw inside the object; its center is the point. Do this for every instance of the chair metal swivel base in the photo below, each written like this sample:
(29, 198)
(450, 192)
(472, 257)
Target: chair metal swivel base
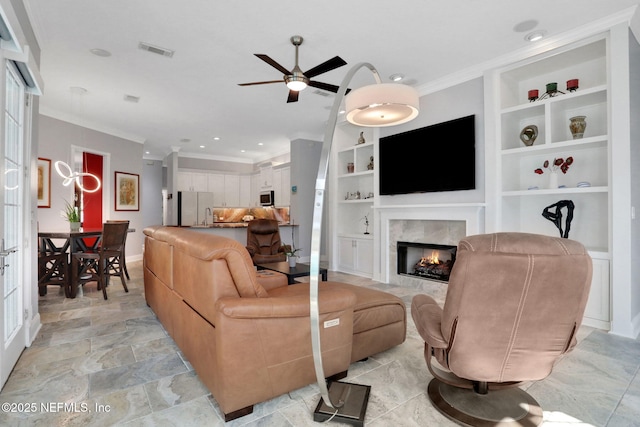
(503, 407)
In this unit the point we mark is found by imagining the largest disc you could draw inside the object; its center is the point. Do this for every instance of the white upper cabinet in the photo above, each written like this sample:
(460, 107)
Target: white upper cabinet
(192, 181)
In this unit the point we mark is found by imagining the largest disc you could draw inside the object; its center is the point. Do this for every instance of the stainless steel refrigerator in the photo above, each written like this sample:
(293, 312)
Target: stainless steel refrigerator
(192, 208)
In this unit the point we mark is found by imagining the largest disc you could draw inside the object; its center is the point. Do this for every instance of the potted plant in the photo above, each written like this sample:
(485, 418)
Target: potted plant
(72, 215)
(290, 250)
(291, 253)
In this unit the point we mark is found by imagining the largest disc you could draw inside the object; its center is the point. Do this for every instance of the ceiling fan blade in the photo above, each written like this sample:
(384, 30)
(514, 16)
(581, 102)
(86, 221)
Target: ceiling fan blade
(273, 63)
(261, 83)
(329, 65)
(324, 86)
(293, 96)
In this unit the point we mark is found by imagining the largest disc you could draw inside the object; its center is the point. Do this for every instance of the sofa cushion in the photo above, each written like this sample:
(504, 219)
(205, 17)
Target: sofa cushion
(271, 279)
(379, 318)
(207, 247)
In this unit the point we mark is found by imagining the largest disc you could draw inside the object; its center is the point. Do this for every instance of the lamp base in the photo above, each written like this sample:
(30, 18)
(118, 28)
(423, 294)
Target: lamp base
(355, 397)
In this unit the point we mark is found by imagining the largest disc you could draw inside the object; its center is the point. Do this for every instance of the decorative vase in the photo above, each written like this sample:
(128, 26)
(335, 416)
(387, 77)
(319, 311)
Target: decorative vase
(74, 226)
(361, 139)
(528, 135)
(292, 261)
(577, 126)
(350, 167)
(553, 180)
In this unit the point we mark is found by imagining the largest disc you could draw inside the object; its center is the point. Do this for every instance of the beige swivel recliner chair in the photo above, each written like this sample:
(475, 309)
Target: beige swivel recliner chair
(513, 306)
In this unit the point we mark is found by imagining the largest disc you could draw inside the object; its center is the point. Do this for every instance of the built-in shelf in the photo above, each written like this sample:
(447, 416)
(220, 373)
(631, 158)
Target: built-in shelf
(352, 173)
(520, 208)
(558, 191)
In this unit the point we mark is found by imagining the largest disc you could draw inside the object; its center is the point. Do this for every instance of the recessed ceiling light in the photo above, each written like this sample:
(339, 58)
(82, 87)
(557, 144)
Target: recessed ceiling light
(260, 143)
(100, 52)
(146, 152)
(527, 25)
(535, 36)
(243, 151)
(202, 146)
(396, 77)
(77, 90)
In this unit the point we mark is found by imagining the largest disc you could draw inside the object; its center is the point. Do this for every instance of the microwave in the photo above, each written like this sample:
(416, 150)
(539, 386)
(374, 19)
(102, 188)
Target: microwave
(266, 198)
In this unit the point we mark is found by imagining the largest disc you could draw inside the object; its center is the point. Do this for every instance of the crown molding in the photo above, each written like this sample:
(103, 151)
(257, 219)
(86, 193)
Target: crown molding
(74, 120)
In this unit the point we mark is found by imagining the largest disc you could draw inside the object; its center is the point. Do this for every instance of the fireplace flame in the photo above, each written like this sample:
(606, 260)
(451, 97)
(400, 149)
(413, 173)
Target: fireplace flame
(430, 260)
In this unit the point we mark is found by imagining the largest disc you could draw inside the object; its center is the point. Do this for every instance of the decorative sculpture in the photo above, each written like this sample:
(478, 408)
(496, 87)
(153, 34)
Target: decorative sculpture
(529, 134)
(556, 217)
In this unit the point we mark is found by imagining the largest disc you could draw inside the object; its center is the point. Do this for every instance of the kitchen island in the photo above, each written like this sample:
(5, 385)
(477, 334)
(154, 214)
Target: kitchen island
(238, 231)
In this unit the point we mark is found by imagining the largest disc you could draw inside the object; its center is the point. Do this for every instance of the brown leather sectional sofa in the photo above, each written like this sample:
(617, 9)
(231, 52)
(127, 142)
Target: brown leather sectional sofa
(247, 334)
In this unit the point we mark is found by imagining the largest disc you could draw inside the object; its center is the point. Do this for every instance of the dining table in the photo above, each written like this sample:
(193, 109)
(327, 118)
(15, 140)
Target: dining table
(70, 241)
(67, 241)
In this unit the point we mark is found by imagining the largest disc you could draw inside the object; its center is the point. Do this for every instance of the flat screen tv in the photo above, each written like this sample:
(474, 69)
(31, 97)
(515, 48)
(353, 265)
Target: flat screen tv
(441, 157)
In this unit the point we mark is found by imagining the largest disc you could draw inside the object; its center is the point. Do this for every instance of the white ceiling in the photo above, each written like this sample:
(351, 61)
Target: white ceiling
(194, 95)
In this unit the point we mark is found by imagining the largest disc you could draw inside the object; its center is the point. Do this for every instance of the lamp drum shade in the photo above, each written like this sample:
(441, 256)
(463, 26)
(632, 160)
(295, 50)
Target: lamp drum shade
(382, 104)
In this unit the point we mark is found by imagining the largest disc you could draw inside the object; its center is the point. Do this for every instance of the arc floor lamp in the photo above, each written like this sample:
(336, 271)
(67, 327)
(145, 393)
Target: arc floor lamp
(377, 105)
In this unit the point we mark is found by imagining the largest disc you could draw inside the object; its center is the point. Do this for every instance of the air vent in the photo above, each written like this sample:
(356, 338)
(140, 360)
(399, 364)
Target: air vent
(156, 49)
(131, 98)
(321, 93)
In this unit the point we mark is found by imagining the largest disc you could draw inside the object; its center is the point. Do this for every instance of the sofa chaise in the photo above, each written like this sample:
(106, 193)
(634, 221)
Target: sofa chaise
(247, 333)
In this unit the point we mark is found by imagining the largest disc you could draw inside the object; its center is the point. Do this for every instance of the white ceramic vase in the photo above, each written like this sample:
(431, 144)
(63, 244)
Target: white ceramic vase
(553, 180)
(292, 261)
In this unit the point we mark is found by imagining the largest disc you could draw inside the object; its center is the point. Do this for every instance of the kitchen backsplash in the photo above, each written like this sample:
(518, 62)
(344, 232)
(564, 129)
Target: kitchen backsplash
(246, 214)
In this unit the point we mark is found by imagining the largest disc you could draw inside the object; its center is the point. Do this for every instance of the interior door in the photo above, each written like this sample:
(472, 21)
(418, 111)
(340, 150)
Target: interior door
(12, 200)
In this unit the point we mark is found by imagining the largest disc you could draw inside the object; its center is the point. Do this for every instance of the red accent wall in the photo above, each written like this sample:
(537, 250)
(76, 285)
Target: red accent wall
(92, 202)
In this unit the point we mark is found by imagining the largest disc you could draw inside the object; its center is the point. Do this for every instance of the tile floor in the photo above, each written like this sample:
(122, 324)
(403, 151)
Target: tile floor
(112, 363)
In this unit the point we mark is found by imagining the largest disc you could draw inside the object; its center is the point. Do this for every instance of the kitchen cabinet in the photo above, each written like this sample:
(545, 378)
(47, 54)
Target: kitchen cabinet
(266, 178)
(225, 189)
(281, 179)
(192, 181)
(245, 191)
(255, 190)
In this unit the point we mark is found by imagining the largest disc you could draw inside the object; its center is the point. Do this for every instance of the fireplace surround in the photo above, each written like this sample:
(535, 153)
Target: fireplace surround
(444, 224)
(426, 260)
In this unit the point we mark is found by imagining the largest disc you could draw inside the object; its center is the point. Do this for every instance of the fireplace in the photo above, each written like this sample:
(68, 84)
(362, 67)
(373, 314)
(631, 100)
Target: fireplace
(425, 260)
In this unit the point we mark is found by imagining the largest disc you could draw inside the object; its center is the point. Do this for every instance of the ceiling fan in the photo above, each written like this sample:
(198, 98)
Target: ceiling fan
(297, 80)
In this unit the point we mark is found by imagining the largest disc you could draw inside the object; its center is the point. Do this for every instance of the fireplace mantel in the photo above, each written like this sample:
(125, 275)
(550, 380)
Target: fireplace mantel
(472, 214)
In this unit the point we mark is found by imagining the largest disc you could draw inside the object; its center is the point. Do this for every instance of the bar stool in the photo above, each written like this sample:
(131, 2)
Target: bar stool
(53, 269)
(123, 258)
(100, 264)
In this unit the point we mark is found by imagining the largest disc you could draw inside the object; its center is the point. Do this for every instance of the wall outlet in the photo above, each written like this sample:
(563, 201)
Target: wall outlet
(331, 323)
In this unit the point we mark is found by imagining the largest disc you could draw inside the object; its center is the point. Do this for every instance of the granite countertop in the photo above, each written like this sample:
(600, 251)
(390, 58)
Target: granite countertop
(231, 225)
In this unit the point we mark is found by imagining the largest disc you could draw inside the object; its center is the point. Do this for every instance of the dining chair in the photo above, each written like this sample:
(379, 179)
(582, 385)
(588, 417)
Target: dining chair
(53, 269)
(100, 264)
(123, 258)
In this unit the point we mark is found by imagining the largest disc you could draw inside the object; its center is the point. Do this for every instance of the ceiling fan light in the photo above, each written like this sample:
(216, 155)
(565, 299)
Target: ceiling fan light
(383, 104)
(296, 82)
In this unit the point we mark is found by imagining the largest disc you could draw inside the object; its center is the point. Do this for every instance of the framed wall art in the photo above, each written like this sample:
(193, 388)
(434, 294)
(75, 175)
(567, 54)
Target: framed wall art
(44, 183)
(127, 191)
